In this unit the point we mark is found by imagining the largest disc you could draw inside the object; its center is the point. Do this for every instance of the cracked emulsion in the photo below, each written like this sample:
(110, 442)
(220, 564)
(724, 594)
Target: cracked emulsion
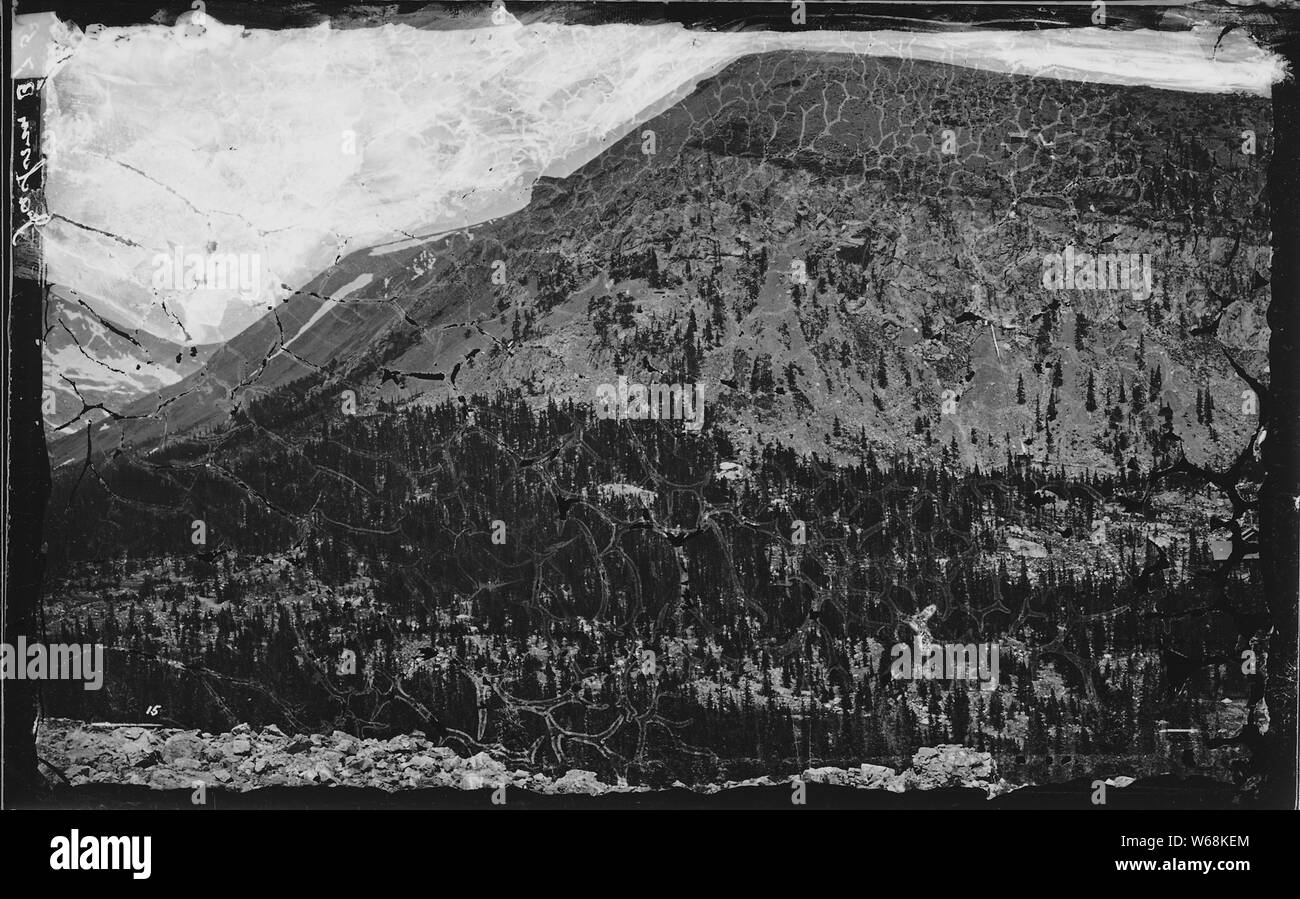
(402, 460)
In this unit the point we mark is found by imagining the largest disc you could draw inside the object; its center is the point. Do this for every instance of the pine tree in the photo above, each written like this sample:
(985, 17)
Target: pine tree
(997, 719)
(960, 714)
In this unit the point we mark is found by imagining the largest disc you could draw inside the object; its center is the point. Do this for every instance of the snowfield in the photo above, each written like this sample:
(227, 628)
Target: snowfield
(303, 144)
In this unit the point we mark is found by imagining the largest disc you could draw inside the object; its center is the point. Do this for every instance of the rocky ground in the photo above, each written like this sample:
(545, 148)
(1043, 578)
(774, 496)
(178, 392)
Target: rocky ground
(248, 759)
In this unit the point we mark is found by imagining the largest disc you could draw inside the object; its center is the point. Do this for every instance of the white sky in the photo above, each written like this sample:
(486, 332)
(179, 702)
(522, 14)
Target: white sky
(238, 139)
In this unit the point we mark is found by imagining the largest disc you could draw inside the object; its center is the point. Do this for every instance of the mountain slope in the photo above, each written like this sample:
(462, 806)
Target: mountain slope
(90, 359)
(801, 243)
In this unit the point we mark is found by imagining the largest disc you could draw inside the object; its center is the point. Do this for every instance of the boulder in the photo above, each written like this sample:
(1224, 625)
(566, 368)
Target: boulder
(576, 780)
(828, 775)
(167, 779)
(949, 765)
(183, 745)
(869, 777)
(875, 776)
(138, 747)
(148, 760)
(406, 742)
(484, 764)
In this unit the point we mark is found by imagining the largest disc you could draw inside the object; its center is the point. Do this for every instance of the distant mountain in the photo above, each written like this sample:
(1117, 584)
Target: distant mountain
(90, 359)
(841, 250)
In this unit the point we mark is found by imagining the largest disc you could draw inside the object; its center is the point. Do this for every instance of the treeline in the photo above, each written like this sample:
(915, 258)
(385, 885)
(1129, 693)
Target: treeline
(501, 572)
